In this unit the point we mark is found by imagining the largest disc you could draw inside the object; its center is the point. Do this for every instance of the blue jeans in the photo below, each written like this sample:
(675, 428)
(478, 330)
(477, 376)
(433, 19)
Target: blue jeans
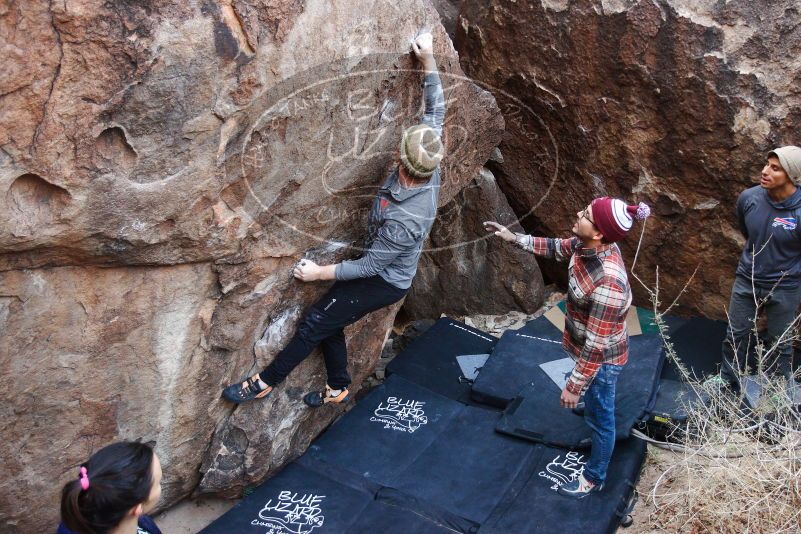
(780, 307)
(599, 414)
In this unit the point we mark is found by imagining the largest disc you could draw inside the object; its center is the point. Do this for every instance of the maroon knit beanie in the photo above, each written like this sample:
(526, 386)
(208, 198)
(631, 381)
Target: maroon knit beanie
(614, 218)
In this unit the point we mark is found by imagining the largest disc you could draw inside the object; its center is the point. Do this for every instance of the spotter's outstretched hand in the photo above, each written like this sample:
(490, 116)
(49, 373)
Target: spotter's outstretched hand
(500, 230)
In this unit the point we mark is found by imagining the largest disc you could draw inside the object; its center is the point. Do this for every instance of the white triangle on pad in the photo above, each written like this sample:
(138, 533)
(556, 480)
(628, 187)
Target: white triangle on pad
(471, 364)
(559, 371)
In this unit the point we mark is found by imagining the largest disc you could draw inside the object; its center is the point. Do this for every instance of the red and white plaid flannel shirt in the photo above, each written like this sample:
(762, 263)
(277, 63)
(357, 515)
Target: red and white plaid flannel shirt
(598, 300)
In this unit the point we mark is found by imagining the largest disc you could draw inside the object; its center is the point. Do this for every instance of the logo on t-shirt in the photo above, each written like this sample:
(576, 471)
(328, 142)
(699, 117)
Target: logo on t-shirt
(788, 223)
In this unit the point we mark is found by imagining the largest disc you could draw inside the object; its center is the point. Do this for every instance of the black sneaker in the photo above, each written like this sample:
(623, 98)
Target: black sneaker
(730, 377)
(579, 488)
(315, 399)
(245, 391)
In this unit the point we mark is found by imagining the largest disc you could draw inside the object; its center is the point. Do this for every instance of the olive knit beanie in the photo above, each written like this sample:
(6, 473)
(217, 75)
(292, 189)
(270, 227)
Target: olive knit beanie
(421, 150)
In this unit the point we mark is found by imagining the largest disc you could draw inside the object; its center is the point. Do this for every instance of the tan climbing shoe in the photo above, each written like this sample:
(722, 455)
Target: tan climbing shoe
(315, 399)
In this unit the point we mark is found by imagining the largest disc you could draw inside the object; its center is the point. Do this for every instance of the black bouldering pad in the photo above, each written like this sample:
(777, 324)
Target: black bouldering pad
(534, 506)
(430, 359)
(407, 459)
(297, 500)
(697, 343)
(425, 446)
(673, 399)
(543, 328)
(313, 498)
(518, 352)
(512, 364)
(468, 468)
(386, 431)
(380, 517)
(537, 416)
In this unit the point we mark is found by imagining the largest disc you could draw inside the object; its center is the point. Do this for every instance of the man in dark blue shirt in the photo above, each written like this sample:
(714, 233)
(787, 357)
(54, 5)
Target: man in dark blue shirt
(769, 272)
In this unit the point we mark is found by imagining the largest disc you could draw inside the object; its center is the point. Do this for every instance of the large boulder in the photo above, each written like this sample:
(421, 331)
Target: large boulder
(163, 166)
(465, 270)
(673, 102)
(448, 13)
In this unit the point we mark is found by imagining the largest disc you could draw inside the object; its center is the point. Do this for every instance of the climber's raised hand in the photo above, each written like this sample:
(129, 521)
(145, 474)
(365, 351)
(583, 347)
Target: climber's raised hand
(423, 47)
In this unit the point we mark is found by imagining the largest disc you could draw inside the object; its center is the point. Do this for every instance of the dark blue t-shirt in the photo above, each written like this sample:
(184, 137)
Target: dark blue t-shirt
(146, 526)
(772, 229)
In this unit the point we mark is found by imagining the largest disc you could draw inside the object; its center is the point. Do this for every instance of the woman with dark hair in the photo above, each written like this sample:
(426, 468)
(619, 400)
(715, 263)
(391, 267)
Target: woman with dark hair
(112, 492)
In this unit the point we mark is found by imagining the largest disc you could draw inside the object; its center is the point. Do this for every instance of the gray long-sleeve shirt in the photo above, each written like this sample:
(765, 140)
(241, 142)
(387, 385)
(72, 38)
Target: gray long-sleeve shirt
(400, 218)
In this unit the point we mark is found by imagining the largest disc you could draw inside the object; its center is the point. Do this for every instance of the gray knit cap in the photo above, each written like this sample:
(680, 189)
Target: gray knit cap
(790, 159)
(421, 150)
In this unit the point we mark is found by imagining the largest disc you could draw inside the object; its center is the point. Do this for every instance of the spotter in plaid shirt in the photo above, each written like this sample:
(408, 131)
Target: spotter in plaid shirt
(598, 299)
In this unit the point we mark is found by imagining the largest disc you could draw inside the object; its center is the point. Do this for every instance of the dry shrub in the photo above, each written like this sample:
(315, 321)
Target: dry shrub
(734, 469)
(727, 482)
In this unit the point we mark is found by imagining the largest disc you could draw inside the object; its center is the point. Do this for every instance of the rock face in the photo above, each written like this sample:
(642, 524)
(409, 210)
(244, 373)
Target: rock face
(468, 270)
(162, 167)
(448, 13)
(674, 102)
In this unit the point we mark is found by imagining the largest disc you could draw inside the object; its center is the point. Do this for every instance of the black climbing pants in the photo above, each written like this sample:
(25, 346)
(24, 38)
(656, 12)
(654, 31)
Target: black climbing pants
(345, 303)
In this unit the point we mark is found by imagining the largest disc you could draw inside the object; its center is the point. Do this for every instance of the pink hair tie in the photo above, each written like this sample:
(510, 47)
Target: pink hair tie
(84, 478)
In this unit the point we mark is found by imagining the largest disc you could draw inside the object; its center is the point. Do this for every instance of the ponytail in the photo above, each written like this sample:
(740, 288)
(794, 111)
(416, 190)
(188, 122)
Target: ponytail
(116, 479)
(71, 508)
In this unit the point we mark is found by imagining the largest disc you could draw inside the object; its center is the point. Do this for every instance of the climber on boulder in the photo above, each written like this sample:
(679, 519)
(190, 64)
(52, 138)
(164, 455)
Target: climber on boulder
(399, 222)
(599, 297)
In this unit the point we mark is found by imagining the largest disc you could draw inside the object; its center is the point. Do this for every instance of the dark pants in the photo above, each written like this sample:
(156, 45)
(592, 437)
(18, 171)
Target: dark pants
(599, 414)
(780, 306)
(345, 303)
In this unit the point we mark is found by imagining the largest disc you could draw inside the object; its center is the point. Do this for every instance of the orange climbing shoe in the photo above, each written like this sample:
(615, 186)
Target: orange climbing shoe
(315, 399)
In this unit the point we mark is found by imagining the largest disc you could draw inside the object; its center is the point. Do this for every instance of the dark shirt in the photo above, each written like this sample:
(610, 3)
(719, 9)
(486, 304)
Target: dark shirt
(772, 230)
(146, 526)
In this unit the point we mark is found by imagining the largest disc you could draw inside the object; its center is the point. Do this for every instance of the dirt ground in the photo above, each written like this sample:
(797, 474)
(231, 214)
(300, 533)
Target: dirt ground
(189, 517)
(643, 522)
